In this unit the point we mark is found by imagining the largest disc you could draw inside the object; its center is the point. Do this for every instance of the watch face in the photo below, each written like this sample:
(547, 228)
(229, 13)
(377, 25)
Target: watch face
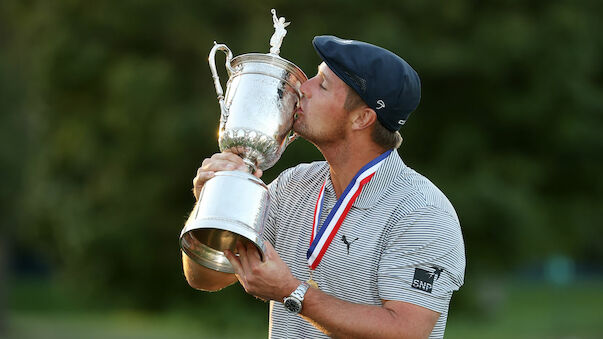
(292, 305)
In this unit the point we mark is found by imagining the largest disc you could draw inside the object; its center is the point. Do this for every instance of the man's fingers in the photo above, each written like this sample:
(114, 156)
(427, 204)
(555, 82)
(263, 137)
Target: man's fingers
(202, 177)
(222, 165)
(235, 262)
(225, 161)
(243, 256)
(229, 157)
(269, 250)
(200, 180)
(253, 254)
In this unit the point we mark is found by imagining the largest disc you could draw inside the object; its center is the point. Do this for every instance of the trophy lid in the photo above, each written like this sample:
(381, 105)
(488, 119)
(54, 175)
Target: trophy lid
(270, 59)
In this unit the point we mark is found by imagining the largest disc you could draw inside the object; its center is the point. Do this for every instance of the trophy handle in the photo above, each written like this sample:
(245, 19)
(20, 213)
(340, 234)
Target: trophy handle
(214, 73)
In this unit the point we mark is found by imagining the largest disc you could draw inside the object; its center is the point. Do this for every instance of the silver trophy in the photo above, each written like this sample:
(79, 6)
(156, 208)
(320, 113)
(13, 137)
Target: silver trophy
(257, 112)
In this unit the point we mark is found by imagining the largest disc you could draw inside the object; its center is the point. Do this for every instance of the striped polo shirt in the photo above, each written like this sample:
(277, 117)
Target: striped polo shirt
(401, 240)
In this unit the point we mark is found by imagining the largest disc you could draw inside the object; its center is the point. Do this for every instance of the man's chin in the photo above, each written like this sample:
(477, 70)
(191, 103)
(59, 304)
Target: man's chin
(301, 134)
(300, 131)
(298, 128)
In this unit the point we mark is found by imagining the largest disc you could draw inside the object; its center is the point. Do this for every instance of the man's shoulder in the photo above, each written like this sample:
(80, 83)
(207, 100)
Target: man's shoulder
(304, 171)
(311, 168)
(302, 175)
(421, 192)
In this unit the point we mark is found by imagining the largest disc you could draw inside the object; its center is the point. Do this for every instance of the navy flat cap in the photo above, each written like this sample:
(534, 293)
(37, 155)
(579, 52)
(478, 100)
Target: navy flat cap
(386, 83)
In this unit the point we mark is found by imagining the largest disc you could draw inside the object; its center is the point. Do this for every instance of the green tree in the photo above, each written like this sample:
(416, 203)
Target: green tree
(108, 108)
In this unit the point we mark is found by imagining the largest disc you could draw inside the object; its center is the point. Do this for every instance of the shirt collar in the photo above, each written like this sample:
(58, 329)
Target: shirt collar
(373, 190)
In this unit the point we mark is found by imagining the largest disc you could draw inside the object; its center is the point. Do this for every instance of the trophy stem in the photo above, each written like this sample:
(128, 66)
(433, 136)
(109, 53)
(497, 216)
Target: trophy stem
(251, 167)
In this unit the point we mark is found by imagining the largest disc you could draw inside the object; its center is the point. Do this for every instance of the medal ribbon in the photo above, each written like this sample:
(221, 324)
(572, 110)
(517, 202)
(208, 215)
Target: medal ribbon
(321, 238)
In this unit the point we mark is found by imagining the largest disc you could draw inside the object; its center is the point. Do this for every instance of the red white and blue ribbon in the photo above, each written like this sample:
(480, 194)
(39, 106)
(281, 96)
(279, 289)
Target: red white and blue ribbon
(321, 238)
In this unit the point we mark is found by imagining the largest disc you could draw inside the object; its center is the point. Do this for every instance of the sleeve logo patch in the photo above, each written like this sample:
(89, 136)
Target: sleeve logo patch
(423, 279)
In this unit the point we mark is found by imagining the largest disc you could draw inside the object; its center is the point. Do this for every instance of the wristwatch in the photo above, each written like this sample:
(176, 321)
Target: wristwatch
(293, 303)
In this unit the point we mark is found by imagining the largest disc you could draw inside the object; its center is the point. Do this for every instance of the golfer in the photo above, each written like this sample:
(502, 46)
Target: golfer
(359, 245)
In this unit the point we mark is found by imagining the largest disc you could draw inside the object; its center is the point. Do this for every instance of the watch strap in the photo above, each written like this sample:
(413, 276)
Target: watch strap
(300, 291)
(294, 302)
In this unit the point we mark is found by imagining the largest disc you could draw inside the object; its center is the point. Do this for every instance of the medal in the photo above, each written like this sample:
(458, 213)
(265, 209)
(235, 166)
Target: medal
(311, 281)
(322, 238)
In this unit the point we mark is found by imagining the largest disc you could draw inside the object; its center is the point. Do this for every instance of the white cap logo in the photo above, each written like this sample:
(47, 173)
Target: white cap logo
(380, 104)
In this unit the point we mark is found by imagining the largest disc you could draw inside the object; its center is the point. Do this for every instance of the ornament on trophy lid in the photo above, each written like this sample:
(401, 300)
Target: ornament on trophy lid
(279, 32)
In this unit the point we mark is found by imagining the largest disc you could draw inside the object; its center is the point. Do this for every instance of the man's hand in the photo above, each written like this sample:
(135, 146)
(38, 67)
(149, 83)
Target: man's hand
(225, 161)
(270, 279)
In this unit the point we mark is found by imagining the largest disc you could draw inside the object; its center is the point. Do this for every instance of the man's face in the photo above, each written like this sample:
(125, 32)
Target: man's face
(322, 118)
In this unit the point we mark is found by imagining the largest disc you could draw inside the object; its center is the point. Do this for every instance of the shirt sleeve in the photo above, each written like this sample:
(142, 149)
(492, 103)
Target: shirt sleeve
(423, 260)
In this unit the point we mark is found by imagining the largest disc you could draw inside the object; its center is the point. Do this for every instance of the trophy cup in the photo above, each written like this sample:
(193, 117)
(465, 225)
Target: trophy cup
(257, 113)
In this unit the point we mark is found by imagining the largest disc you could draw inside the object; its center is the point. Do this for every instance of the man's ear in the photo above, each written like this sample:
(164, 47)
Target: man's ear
(363, 118)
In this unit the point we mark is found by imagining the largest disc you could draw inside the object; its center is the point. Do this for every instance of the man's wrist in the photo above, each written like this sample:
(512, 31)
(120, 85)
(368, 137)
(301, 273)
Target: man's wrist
(294, 302)
(289, 288)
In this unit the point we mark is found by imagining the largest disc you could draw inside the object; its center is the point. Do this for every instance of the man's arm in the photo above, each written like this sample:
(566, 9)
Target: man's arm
(342, 319)
(203, 278)
(271, 279)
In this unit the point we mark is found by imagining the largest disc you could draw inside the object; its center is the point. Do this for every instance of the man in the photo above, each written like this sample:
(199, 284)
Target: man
(360, 245)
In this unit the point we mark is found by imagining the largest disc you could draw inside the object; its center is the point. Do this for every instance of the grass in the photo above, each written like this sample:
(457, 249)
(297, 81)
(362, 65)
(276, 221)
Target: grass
(517, 310)
(536, 310)
(123, 324)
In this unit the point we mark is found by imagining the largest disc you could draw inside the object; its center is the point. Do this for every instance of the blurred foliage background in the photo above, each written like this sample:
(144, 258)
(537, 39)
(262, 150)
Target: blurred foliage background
(107, 109)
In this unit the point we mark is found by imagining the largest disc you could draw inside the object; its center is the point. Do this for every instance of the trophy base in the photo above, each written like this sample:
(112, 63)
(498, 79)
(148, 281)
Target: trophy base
(206, 247)
(232, 208)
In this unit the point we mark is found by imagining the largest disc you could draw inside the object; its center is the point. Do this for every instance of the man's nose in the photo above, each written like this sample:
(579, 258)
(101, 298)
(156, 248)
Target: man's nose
(305, 88)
